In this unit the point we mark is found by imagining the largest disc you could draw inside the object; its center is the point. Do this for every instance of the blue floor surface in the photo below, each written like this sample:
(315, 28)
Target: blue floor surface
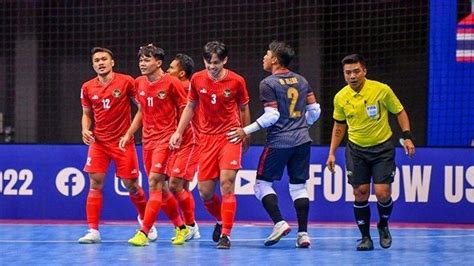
(41, 244)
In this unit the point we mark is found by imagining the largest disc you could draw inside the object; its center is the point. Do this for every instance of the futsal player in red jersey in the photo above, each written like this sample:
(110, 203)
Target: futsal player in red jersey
(159, 98)
(106, 101)
(222, 97)
(185, 159)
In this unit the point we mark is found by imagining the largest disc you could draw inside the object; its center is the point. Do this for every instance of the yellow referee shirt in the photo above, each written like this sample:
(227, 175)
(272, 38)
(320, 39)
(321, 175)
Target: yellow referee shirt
(366, 113)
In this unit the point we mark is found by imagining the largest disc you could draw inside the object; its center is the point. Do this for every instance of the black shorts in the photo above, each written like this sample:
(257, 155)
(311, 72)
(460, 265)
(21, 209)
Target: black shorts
(273, 161)
(363, 163)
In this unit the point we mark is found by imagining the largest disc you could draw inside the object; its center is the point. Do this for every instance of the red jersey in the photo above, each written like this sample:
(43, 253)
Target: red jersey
(191, 133)
(219, 100)
(110, 104)
(160, 102)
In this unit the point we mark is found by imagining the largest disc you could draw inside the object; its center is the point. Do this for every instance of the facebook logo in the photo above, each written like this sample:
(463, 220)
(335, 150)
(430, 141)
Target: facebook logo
(70, 181)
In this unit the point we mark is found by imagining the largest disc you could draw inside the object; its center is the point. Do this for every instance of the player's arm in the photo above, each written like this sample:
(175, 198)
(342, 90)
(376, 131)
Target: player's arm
(313, 110)
(407, 136)
(338, 132)
(86, 123)
(267, 119)
(136, 124)
(188, 113)
(245, 121)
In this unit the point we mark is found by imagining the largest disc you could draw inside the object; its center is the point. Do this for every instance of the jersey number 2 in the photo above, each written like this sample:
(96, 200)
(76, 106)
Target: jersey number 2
(293, 96)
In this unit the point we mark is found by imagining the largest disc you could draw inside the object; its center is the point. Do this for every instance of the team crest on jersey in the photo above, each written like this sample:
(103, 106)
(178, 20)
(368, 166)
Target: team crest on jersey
(116, 93)
(161, 95)
(227, 93)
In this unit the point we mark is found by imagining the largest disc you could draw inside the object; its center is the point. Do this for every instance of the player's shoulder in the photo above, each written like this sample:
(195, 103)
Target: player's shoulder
(122, 76)
(235, 76)
(199, 75)
(89, 83)
(299, 77)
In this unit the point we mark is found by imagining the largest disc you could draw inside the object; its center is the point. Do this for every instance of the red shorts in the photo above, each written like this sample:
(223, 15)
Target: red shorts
(157, 159)
(100, 154)
(184, 162)
(217, 153)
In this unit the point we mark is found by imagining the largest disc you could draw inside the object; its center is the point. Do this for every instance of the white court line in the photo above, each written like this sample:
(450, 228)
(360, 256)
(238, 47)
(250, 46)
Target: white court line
(238, 240)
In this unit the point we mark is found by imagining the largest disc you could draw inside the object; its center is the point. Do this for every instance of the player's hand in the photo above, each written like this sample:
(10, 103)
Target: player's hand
(175, 141)
(331, 163)
(236, 135)
(124, 141)
(88, 137)
(409, 147)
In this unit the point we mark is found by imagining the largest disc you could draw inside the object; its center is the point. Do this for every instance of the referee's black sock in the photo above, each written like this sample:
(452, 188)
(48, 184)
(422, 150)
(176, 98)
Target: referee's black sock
(385, 210)
(362, 216)
(302, 210)
(270, 203)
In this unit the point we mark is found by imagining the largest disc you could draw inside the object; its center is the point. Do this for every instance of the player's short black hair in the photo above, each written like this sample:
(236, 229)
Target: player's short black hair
(98, 49)
(214, 47)
(150, 50)
(282, 51)
(186, 63)
(353, 59)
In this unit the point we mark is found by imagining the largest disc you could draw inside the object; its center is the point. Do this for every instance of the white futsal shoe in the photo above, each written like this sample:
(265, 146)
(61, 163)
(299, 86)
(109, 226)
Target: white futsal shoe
(91, 237)
(302, 240)
(280, 230)
(193, 232)
(152, 234)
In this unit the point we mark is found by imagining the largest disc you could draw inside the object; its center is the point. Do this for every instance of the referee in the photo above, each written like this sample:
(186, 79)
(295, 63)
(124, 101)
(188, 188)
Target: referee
(362, 106)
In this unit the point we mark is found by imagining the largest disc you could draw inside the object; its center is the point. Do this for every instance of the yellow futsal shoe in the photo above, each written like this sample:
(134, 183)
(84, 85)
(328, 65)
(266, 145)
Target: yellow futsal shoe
(180, 236)
(140, 239)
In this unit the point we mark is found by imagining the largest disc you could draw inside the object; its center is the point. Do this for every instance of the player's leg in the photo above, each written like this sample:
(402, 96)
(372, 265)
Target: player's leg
(207, 178)
(171, 209)
(156, 182)
(212, 203)
(359, 175)
(270, 168)
(96, 165)
(182, 171)
(126, 163)
(383, 169)
(229, 158)
(298, 172)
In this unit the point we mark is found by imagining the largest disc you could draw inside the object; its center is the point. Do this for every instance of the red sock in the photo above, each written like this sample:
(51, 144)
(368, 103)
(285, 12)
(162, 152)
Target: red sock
(186, 203)
(152, 209)
(213, 206)
(139, 201)
(171, 209)
(94, 204)
(229, 206)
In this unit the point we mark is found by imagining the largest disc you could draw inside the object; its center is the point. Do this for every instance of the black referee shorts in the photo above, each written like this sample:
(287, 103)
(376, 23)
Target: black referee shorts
(365, 163)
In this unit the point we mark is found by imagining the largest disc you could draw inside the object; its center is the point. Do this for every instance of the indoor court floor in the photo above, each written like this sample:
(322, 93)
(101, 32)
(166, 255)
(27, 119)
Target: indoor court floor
(55, 244)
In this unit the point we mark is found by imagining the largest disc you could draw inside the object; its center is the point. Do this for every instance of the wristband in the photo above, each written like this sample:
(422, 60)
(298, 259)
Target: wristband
(407, 135)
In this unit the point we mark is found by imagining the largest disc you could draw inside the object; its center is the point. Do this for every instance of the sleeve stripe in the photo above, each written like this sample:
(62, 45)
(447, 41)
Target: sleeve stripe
(271, 104)
(340, 121)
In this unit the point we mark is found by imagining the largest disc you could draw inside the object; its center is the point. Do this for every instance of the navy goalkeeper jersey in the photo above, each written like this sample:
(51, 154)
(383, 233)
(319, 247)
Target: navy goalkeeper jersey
(286, 91)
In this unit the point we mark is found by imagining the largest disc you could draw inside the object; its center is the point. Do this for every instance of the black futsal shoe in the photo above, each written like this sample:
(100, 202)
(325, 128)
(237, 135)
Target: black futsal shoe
(217, 232)
(385, 236)
(224, 242)
(365, 244)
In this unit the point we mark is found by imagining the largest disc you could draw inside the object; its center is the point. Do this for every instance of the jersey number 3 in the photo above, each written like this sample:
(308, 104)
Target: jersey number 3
(293, 96)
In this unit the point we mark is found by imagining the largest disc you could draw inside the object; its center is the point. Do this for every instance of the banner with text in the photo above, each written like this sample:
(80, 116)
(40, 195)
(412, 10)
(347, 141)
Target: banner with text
(47, 182)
